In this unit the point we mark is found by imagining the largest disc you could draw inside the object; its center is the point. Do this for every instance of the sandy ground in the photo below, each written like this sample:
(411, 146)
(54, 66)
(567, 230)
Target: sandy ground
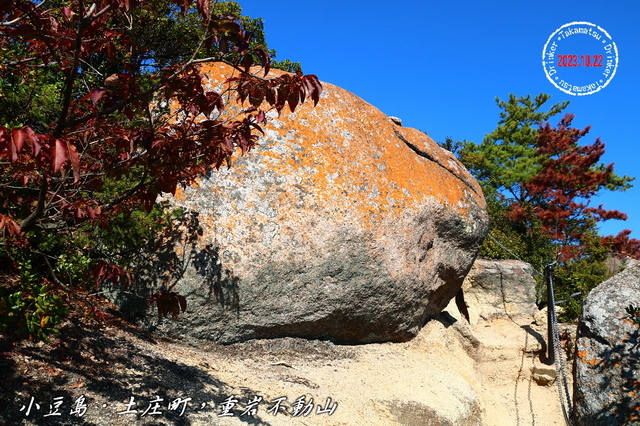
(450, 374)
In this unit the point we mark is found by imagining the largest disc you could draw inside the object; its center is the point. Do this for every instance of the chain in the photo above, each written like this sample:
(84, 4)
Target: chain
(512, 253)
(515, 391)
(560, 365)
(563, 387)
(515, 256)
(522, 359)
(533, 413)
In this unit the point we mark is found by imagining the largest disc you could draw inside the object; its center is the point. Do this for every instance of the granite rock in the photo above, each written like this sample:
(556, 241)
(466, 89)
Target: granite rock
(607, 366)
(340, 225)
(500, 288)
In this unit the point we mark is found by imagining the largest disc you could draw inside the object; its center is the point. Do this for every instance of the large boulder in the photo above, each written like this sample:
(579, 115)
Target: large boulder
(607, 367)
(500, 288)
(340, 225)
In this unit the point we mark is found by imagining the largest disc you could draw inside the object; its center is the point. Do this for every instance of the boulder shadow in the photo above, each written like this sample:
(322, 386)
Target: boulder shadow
(115, 380)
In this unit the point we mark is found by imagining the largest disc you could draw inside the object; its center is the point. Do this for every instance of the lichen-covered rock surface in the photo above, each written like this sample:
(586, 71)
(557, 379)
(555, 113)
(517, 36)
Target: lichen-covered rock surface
(340, 225)
(607, 368)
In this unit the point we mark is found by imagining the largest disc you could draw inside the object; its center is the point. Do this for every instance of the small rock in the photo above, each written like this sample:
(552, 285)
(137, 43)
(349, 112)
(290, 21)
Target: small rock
(544, 375)
(540, 318)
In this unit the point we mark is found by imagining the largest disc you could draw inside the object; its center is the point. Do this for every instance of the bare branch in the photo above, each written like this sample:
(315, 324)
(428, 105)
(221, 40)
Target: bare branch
(15, 21)
(90, 11)
(69, 82)
(35, 215)
(102, 12)
(9, 23)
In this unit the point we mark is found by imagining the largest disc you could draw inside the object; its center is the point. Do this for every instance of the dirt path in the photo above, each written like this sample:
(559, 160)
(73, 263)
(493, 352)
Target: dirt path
(450, 374)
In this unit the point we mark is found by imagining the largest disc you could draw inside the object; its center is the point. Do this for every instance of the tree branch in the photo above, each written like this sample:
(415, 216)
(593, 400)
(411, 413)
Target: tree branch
(130, 193)
(35, 215)
(69, 82)
(150, 91)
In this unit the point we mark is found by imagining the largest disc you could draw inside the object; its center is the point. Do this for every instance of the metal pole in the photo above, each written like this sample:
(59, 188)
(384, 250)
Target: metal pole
(548, 270)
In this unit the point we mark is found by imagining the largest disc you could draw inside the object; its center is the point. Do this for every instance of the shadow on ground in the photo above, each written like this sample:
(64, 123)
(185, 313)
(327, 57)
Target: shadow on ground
(89, 377)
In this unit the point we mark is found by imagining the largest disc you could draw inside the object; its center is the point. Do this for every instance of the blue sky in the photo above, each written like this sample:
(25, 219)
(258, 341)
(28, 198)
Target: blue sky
(440, 65)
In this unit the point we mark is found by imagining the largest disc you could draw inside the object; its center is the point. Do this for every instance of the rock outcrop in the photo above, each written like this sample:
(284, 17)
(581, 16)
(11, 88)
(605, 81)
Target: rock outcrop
(607, 366)
(341, 225)
(451, 373)
(499, 288)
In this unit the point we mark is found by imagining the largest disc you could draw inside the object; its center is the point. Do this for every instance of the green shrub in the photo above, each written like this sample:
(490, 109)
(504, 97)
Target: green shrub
(30, 309)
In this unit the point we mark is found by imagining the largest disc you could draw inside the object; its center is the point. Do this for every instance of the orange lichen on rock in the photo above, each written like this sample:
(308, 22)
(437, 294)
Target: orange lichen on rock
(357, 159)
(588, 358)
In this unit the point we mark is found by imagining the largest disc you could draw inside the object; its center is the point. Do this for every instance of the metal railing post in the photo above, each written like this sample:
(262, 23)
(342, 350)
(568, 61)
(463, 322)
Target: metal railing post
(548, 270)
